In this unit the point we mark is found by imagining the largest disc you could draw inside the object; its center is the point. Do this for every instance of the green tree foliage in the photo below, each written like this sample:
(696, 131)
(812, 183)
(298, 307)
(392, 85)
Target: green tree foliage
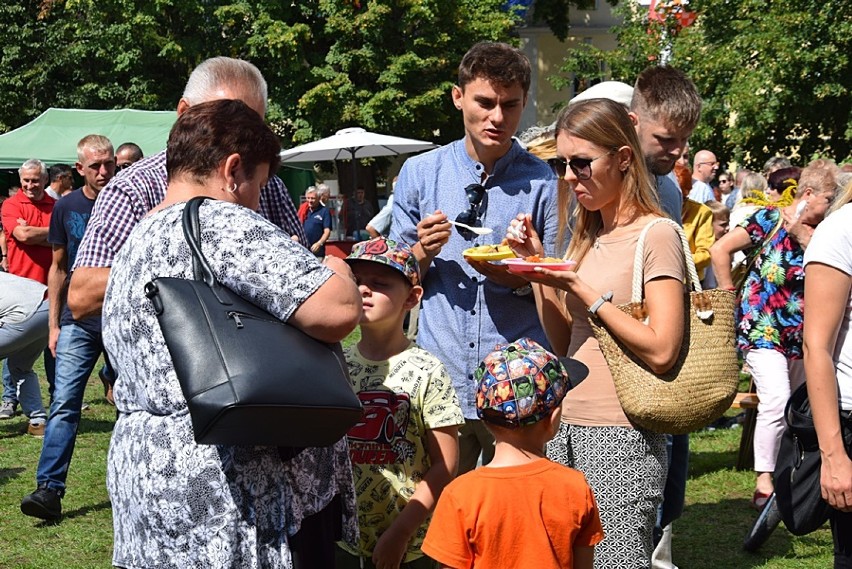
(386, 65)
(775, 75)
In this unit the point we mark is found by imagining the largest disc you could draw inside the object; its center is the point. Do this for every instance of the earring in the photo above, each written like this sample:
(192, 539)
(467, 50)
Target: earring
(233, 188)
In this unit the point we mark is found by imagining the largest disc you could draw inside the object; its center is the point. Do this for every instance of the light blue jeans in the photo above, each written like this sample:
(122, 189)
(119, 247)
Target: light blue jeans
(77, 352)
(21, 343)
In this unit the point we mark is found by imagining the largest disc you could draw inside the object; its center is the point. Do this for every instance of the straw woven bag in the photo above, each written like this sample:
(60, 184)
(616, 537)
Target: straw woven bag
(701, 385)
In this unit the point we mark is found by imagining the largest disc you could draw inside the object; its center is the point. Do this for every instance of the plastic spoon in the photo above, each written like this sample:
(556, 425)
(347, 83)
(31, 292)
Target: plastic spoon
(477, 230)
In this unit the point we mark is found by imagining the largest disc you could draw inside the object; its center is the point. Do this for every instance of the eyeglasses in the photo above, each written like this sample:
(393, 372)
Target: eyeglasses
(477, 197)
(120, 167)
(714, 164)
(582, 167)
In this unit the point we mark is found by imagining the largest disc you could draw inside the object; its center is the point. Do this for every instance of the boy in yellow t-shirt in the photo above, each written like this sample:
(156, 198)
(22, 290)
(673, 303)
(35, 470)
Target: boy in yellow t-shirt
(405, 449)
(521, 510)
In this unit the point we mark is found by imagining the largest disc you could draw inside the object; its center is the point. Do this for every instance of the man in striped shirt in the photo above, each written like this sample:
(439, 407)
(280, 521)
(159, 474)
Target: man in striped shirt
(142, 186)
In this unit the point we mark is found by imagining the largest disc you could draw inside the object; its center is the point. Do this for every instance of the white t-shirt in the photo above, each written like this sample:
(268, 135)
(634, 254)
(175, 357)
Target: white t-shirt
(831, 245)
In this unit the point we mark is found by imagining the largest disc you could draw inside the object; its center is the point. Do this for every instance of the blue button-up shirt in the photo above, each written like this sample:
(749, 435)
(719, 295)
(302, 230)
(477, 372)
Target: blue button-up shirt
(463, 315)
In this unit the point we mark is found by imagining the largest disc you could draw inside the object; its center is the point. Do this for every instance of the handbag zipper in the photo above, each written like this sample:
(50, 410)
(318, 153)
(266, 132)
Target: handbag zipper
(238, 316)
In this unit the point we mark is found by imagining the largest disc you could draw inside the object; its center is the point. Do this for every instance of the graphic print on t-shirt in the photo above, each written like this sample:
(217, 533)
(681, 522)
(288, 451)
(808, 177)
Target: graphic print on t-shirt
(379, 437)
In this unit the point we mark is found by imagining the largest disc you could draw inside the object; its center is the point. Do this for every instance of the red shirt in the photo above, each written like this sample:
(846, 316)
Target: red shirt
(30, 261)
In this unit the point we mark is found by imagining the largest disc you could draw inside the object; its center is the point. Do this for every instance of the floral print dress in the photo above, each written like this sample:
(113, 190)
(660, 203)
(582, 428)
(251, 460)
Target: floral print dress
(770, 309)
(176, 503)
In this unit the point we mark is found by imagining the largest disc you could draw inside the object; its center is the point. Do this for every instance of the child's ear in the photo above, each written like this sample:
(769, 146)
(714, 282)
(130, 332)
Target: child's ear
(414, 296)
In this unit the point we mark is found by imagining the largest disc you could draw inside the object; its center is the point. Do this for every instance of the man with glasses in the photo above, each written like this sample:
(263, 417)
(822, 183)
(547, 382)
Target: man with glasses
(483, 180)
(704, 168)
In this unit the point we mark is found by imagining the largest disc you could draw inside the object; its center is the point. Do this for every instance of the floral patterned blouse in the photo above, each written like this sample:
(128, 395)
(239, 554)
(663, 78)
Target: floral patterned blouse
(771, 303)
(177, 503)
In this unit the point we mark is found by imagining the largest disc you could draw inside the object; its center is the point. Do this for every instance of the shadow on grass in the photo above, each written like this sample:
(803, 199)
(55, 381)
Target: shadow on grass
(87, 425)
(91, 425)
(7, 474)
(711, 535)
(701, 463)
(80, 512)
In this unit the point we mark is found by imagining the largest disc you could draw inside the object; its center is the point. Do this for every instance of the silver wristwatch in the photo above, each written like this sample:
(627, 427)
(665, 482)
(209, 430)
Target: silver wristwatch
(596, 305)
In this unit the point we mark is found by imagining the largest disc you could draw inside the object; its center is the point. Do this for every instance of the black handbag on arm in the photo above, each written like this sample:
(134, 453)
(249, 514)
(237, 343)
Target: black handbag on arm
(797, 469)
(248, 378)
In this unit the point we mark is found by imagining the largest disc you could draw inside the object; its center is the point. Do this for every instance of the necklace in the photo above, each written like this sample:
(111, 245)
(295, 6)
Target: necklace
(597, 242)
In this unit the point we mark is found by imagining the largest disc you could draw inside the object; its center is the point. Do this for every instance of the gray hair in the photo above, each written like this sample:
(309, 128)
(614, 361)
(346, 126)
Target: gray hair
(214, 73)
(775, 163)
(96, 142)
(33, 164)
(323, 190)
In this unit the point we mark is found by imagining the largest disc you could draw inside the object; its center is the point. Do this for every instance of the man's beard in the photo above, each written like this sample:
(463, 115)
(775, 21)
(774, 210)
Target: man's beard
(659, 168)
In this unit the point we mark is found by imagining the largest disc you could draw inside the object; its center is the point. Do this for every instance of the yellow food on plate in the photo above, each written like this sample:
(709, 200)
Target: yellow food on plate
(489, 253)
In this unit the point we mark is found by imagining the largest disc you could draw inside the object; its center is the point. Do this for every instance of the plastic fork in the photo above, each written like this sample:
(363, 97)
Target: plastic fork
(477, 230)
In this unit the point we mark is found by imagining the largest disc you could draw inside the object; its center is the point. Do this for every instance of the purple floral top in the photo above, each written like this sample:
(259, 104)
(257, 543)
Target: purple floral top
(771, 305)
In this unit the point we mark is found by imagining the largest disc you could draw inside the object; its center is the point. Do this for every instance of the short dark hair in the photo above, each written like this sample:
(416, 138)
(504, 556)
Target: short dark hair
(665, 94)
(58, 170)
(135, 151)
(778, 180)
(496, 62)
(207, 133)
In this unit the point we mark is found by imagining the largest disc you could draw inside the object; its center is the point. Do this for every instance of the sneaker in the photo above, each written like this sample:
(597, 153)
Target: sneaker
(45, 503)
(84, 406)
(36, 430)
(7, 409)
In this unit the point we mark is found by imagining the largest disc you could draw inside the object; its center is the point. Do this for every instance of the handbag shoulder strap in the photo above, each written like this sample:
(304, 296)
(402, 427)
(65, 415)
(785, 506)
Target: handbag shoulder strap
(637, 286)
(201, 269)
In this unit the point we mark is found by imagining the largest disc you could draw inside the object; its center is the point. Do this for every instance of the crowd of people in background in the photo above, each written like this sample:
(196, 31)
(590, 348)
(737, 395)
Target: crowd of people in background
(505, 386)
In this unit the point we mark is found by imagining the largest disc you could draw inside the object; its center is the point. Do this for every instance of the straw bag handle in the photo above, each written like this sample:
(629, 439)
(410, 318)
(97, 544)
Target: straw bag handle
(637, 286)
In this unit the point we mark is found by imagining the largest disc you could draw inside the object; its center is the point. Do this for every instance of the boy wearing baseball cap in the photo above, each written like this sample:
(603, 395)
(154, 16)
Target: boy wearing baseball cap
(405, 448)
(521, 510)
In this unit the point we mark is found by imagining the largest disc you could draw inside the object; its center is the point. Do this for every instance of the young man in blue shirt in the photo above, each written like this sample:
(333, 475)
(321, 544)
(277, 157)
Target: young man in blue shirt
(485, 179)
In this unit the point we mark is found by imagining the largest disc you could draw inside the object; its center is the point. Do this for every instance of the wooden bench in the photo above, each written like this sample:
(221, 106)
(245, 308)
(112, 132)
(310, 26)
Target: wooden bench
(747, 401)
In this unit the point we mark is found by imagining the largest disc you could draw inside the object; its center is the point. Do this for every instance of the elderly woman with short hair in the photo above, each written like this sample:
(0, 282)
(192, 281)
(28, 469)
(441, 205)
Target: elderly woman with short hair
(177, 503)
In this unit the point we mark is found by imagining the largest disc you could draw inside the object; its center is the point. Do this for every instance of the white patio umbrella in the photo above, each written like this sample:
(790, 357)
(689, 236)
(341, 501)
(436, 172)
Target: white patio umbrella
(353, 143)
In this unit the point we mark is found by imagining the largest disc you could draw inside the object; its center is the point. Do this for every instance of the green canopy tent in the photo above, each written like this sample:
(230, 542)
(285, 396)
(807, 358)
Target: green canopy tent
(53, 135)
(52, 138)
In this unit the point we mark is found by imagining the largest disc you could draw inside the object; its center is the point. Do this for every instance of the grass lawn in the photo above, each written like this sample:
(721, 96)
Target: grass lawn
(708, 536)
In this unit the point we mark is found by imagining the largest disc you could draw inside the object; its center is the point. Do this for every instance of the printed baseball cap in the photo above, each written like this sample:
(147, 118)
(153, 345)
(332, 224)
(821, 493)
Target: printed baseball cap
(388, 252)
(521, 383)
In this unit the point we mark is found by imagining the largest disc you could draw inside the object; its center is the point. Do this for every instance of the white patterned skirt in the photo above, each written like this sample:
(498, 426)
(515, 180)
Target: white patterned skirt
(626, 469)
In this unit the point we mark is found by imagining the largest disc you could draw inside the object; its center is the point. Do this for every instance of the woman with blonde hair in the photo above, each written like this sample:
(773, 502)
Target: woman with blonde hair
(600, 160)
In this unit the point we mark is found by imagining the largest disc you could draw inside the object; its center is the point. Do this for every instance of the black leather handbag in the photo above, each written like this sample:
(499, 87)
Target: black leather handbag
(248, 378)
(797, 469)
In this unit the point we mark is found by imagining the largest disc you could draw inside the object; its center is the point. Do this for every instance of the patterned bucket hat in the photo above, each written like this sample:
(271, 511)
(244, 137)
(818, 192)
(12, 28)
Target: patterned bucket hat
(388, 252)
(520, 383)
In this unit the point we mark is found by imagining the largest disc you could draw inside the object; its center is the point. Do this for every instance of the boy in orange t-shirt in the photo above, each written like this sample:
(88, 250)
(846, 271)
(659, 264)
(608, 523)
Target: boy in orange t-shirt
(522, 510)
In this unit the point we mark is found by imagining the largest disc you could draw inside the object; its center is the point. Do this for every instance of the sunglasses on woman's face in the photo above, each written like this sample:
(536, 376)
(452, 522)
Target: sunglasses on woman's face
(582, 167)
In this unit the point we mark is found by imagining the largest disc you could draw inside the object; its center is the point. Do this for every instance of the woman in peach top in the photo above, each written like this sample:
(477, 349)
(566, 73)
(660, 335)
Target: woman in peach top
(600, 159)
